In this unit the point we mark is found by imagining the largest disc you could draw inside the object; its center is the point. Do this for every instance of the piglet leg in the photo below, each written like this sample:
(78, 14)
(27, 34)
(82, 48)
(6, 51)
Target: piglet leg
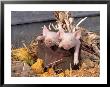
(76, 54)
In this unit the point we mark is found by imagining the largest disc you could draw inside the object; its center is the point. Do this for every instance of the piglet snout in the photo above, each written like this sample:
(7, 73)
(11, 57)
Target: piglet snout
(66, 47)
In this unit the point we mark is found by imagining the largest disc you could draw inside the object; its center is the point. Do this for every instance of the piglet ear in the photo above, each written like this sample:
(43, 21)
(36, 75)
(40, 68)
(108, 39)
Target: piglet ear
(45, 30)
(77, 34)
(61, 30)
(39, 38)
(60, 33)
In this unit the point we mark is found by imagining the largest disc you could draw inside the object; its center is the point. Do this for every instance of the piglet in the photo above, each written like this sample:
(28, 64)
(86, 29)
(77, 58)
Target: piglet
(50, 38)
(70, 40)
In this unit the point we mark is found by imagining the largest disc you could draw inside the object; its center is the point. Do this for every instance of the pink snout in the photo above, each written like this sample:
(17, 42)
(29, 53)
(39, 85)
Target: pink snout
(65, 46)
(48, 43)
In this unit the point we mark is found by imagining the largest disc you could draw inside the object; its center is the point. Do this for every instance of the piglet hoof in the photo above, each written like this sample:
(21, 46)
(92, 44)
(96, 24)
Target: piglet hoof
(75, 67)
(76, 61)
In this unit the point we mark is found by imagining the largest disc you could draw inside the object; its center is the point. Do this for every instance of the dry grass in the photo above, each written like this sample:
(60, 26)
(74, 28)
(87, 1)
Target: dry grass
(22, 54)
(82, 72)
(37, 67)
(88, 68)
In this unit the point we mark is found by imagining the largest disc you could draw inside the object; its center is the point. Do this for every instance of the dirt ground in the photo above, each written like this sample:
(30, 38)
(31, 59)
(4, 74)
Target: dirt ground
(22, 66)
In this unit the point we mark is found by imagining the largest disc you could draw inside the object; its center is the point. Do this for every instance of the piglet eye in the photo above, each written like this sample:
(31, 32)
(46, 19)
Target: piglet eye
(70, 39)
(49, 41)
(60, 40)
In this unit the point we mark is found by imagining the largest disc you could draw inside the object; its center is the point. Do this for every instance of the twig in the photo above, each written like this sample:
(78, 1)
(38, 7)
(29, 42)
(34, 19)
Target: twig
(80, 23)
(54, 62)
(25, 46)
(68, 25)
(70, 70)
(50, 27)
(23, 66)
(55, 28)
